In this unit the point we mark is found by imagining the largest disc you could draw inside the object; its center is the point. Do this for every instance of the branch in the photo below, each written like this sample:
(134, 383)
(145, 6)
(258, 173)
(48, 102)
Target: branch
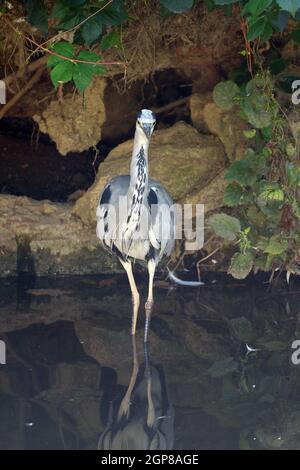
(34, 79)
(49, 51)
(32, 67)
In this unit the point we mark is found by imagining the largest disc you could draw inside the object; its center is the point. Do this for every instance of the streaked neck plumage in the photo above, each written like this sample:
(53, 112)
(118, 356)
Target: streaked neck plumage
(138, 188)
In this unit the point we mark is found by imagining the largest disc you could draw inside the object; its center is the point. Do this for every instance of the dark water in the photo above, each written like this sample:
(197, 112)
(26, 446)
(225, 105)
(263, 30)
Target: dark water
(74, 379)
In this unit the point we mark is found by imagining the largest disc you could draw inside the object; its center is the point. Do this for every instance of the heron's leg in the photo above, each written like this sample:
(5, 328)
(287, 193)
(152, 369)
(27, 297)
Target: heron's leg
(135, 295)
(149, 303)
(125, 404)
(151, 410)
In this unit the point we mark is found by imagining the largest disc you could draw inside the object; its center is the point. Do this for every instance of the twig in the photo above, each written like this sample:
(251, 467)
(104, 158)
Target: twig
(34, 79)
(77, 26)
(49, 51)
(171, 105)
(32, 67)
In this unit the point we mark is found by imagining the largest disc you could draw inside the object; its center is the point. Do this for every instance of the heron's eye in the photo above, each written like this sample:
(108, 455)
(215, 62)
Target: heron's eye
(139, 122)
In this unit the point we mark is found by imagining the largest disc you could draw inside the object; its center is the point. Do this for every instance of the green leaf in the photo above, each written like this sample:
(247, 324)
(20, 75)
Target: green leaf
(289, 5)
(256, 7)
(225, 93)
(63, 48)
(225, 2)
(92, 57)
(82, 76)
(281, 20)
(113, 15)
(74, 3)
(233, 194)
(112, 39)
(71, 21)
(241, 172)
(62, 72)
(276, 245)
(223, 367)
(250, 134)
(241, 265)
(256, 112)
(225, 226)
(177, 6)
(37, 14)
(91, 29)
(60, 10)
(272, 192)
(256, 29)
(241, 328)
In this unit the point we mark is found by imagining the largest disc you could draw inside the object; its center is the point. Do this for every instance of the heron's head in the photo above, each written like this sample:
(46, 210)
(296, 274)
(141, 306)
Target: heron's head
(146, 122)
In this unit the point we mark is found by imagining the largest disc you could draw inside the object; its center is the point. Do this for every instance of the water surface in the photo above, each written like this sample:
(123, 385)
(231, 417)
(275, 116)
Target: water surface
(74, 379)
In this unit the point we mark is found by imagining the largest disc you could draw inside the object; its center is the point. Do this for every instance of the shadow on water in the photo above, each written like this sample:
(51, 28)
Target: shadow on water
(218, 373)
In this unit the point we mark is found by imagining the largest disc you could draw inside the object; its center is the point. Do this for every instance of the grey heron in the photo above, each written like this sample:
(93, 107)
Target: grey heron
(143, 229)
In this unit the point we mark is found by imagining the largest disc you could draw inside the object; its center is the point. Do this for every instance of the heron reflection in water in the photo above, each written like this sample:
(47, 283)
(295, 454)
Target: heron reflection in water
(144, 417)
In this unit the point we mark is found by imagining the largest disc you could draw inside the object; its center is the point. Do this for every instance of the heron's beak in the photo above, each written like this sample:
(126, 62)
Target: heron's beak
(148, 129)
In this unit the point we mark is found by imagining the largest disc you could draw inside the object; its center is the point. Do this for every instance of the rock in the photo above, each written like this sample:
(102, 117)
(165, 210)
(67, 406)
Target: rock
(226, 125)
(75, 123)
(229, 127)
(180, 158)
(211, 195)
(45, 238)
(197, 103)
(78, 123)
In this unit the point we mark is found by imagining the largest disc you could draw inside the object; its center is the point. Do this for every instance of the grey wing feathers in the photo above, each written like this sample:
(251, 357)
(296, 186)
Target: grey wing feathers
(161, 229)
(106, 216)
(163, 218)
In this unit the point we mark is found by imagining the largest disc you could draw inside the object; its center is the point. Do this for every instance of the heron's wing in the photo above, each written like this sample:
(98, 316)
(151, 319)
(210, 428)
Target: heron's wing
(162, 221)
(108, 210)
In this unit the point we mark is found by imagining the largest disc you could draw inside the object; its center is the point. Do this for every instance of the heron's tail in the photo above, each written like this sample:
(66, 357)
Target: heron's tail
(180, 282)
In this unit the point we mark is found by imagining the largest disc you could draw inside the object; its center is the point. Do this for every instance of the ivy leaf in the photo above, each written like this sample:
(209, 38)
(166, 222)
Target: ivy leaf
(241, 265)
(62, 48)
(62, 72)
(225, 226)
(112, 39)
(289, 5)
(233, 194)
(241, 328)
(276, 245)
(224, 94)
(241, 172)
(177, 6)
(91, 29)
(250, 134)
(256, 112)
(272, 192)
(37, 14)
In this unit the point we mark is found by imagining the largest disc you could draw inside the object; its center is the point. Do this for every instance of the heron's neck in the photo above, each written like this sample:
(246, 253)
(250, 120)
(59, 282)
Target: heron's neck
(138, 187)
(139, 165)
